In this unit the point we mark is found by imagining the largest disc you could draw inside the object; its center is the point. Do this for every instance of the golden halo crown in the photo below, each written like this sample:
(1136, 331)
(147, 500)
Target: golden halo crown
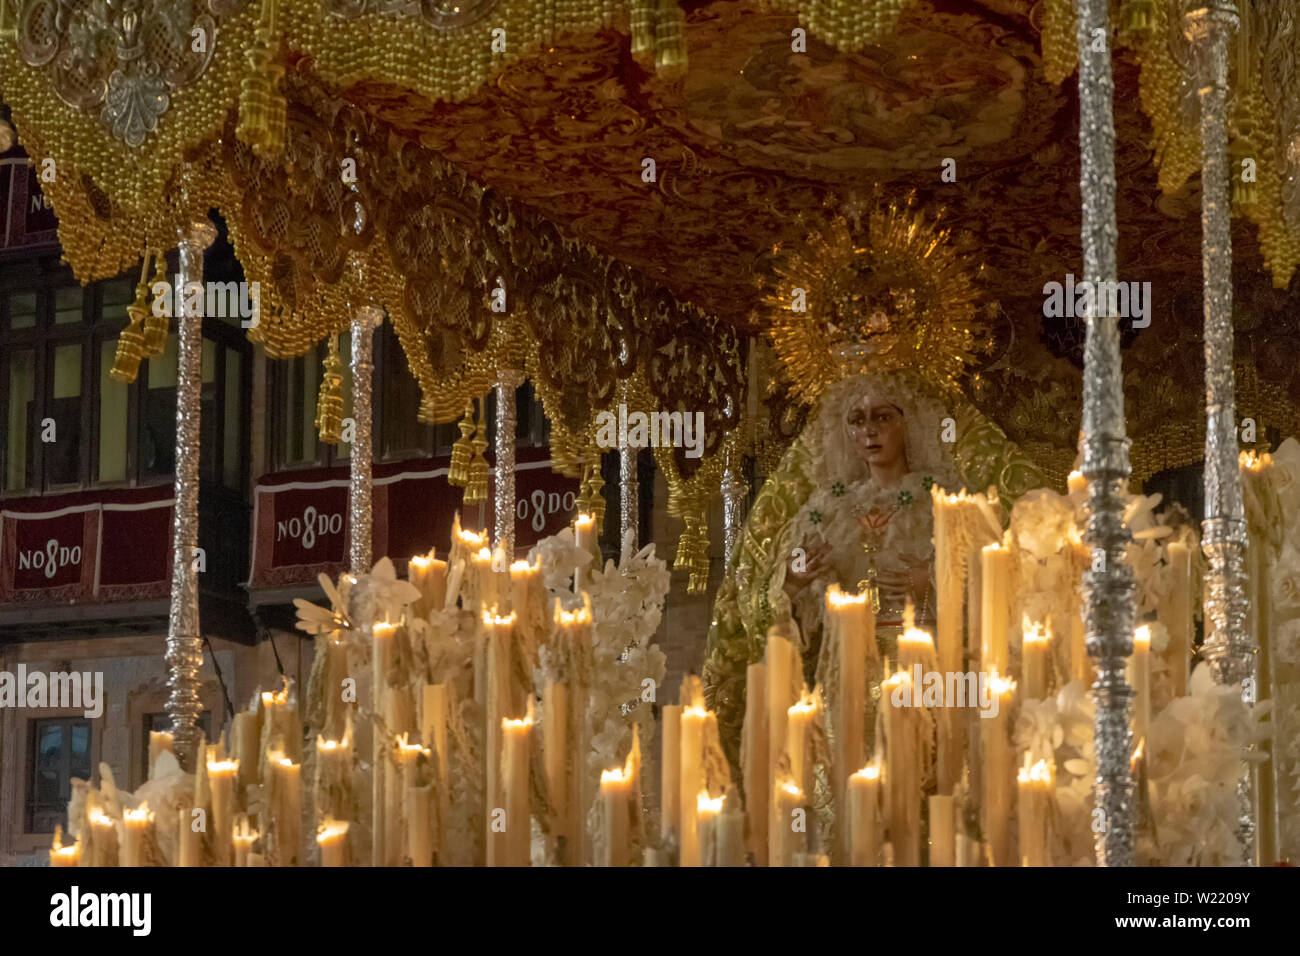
(872, 292)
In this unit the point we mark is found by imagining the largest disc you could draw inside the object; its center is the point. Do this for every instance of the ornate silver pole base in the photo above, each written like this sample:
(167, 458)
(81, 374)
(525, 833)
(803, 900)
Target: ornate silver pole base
(734, 492)
(1229, 645)
(1108, 586)
(184, 655)
(508, 380)
(361, 486)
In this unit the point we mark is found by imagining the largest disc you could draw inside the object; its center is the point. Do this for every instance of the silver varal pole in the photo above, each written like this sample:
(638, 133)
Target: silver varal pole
(1230, 649)
(361, 483)
(184, 655)
(1108, 590)
(508, 381)
(629, 498)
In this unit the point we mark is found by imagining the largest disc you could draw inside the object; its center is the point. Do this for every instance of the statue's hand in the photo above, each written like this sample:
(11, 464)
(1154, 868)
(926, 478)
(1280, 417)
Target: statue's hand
(816, 563)
(896, 584)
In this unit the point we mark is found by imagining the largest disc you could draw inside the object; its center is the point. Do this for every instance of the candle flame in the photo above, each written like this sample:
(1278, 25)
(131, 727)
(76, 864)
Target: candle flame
(471, 539)
(140, 814)
(223, 767)
(71, 852)
(994, 548)
(493, 619)
(617, 775)
(699, 713)
(870, 772)
(331, 829)
(836, 598)
(587, 521)
(421, 561)
(280, 697)
(1036, 632)
(523, 567)
(569, 618)
(792, 788)
(1255, 461)
(484, 556)
(1001, 685)
(1134, 760)
(1039, 773)
(99, 818)
(1142, 636)
(915, 636)
(704, 804)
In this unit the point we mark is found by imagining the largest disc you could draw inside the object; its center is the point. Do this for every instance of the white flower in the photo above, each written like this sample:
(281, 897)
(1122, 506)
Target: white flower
(390, 595)
(1040, 522)
(1286, 477)
(1284, 578)
(315, 619)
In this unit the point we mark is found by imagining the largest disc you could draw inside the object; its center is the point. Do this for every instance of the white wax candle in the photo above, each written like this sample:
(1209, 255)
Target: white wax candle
(864, 793)
(692, 751)
(943, 848)
(1034, 652)
(136, 825)
(996, 570)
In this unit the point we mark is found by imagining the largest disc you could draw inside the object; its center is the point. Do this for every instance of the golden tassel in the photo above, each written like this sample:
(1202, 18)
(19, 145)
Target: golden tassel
(463, 451)
(476, 488)
(670, 40)
(130, 348)
(693, 550)
(1138, 15)
(262, 110)
(8, 25)
(156, 326)
(329, 402)
(643, 30)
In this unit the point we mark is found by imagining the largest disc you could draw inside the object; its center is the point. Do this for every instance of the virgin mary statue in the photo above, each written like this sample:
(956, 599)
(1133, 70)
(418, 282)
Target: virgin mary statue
(850, 504)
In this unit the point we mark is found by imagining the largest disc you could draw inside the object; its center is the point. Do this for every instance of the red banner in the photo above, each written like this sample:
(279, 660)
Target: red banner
(89, 549)
(300, 520)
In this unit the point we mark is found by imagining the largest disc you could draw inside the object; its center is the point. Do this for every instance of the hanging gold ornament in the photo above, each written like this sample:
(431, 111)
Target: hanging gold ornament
(329, 402)
(463, 451)
(693, 549)
(263, 111)
(130, 349)
(1137, 16)
(157, 319)
(595, 499)
(476, 489)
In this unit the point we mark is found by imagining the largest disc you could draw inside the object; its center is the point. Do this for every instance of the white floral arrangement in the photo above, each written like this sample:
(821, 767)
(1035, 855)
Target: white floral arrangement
(1198, 748)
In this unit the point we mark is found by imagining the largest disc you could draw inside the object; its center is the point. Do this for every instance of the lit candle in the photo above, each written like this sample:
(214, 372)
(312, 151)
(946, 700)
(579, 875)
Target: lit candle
(555, 760)
(753, 759)
(419, 825)
(943, 848)
(784, 844)
(136, 826)
(246, 744)
(692, 752)
(670, 792)
(1036, 786)
(286, 806)
(103, 839)
(190, 848)
(1178, 617)
(332, 837)
(573, 631)
(221, 780)
(799, 721)
(1075, 483)
(333, 774)
(429, 577)
(615, 793)
(159, 740)
(515, 735)
(1035, 648)
(584, 536)
(996, 571)
(999, 771)
(706, 815)
(382, 650)
(853, 626)
(527, 597)
(498, 633)
(243, 837)
(864, 795)
(903, 748)
(400, 782)
(484, 579)
(61, 855)
(1139, 675)
(781, 660)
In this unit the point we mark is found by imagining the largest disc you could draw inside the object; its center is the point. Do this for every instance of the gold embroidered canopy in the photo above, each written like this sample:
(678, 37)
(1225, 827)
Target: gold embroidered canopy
(502, 144)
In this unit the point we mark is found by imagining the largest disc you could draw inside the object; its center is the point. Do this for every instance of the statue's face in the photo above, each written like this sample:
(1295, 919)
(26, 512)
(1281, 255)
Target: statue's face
(877, 429)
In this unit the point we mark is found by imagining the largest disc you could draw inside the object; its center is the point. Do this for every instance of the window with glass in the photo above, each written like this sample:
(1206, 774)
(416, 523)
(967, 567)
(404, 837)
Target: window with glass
(65, 423)
(58, 751)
